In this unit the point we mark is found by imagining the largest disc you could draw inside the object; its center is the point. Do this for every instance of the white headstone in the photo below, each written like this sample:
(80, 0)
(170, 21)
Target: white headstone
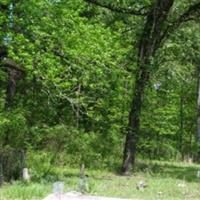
(58, 188)
(26, 176)
(198, 174)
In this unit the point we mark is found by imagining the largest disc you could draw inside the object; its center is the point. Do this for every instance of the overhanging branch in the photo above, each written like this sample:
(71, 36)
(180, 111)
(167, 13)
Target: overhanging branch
(190, 14)
(11, 64)
(131, 11)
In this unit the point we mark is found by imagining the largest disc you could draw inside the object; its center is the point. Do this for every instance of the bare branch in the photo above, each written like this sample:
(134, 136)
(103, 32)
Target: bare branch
(131, 11)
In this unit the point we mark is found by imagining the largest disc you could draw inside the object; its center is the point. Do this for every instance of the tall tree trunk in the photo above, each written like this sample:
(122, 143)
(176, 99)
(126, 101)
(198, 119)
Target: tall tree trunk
(15, 73)
(198, 107)
(134, 122)
(10, 92)
(181, 125)
(153, 34)
(198, 116)
(11, 88)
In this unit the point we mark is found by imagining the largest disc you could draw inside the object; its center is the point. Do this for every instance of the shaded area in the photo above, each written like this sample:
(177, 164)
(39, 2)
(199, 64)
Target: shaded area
(166, 170)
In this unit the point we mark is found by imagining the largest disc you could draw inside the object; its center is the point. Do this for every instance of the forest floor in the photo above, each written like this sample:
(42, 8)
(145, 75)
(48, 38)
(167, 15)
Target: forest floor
(165, 181)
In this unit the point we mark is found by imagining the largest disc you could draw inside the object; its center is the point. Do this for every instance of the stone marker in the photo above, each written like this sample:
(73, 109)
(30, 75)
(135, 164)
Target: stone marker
(141, 185)
(198, 174)
(77, 196)
(25, 175)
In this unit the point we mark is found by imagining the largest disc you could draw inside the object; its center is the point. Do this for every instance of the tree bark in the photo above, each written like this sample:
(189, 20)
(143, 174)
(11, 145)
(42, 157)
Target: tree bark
(153, 34)
(198, 107)
(181, 117)
(15, 73)
(134, 122)
(156, 30)
(11, 88)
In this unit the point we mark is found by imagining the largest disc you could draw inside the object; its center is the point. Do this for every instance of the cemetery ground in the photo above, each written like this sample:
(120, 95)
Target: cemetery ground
(163, 180)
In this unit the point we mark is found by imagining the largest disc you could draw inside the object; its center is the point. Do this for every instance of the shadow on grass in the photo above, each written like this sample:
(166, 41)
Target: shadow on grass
(161, 169)
(169, 170)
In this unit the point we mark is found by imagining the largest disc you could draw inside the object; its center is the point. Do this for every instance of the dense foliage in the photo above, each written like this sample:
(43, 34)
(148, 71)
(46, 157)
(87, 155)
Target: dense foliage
(74, 67)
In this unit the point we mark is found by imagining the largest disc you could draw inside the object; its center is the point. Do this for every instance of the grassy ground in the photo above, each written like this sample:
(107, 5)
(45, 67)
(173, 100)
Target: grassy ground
(166, 181)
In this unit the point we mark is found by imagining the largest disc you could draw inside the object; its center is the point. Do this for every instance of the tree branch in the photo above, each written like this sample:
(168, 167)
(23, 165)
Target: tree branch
(140, 12)
(189, 15)
(11, 64)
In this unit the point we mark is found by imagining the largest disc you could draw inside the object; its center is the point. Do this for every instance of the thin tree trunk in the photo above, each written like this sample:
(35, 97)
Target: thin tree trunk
(198, 108)
(10, 92)
(11, 88)
(14, 75)
(181, 125)
(78, 93)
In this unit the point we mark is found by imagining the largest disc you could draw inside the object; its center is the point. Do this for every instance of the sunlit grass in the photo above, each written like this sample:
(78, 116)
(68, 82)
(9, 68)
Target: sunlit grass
(166, 181)
(21, 191)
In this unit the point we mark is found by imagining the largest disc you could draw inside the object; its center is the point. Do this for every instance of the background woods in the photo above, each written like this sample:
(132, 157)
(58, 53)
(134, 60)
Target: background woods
(99, 82)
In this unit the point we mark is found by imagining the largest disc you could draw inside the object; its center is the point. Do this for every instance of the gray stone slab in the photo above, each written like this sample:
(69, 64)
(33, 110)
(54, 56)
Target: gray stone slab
(77, 196)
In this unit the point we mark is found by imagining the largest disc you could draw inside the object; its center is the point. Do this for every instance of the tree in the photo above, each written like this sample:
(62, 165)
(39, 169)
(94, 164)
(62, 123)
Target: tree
(198, 104)
(156, 30)
(71, 79)
(72, 76)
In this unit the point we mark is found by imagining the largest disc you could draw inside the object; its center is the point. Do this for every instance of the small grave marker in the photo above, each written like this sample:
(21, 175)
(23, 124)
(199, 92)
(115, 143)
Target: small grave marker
(58, 189)
(198, 174)
(25, 174)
